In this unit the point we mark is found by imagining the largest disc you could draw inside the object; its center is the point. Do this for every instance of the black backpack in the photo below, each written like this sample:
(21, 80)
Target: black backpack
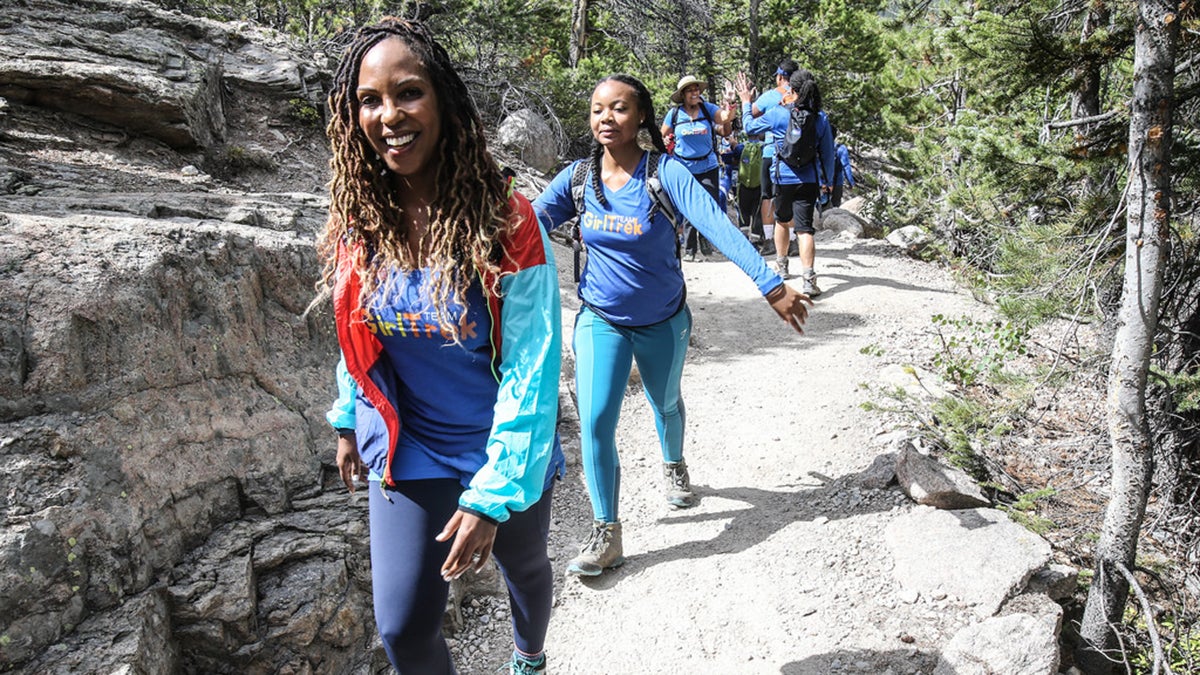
(659, 201)
(798, 147)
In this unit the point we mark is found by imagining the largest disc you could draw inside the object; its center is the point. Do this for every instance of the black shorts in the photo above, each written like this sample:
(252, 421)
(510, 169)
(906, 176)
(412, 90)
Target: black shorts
(796, 203)
(768, 186)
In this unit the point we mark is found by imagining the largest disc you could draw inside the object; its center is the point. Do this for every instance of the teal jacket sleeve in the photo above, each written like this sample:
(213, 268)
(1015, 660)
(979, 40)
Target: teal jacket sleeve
(521, 443)
(341, 415)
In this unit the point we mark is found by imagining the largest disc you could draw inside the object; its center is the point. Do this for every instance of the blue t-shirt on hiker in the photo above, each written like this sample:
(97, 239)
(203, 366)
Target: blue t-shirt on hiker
(775, 120)
(768, 99)
(694, 138)
(632, 276)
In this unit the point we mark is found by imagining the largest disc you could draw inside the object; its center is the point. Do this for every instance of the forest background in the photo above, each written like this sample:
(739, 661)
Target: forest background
(1026, 136)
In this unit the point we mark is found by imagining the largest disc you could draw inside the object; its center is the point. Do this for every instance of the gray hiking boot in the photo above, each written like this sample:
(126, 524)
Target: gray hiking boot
(781, 267)
(600, 551)
(679, 485)
(809, 286)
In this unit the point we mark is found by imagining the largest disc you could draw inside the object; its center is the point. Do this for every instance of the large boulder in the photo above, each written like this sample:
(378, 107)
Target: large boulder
(978, 556)
(931, 483)
(527, 135)
(850, 224)
(159, 379)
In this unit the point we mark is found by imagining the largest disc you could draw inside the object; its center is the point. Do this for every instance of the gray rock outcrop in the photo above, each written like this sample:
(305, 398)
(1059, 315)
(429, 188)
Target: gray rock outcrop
(527, 135)
(931, 483)
(978, 556)
(849, 223)
(167, 502)
(911, 238)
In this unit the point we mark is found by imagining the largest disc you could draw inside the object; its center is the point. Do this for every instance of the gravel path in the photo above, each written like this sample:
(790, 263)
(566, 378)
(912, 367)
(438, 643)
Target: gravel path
(781, 567)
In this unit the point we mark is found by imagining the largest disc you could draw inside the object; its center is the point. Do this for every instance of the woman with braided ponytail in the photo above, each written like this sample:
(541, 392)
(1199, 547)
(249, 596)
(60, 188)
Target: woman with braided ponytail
(446, 304)
(633, 296)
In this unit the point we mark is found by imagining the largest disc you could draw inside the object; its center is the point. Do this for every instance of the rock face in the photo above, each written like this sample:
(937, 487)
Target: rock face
(167, 503)
(848, 222)
(978, 556)
(132, 65)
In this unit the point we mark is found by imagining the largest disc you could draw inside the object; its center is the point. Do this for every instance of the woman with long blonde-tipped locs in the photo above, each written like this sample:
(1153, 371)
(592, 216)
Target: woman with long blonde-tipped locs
(633, 296)
(447, 310)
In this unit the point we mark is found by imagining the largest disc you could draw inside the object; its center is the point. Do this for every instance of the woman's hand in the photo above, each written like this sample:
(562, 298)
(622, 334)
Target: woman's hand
(744, 89)
(471, 547)
(789, 304)
(349, 462)
(728, 94)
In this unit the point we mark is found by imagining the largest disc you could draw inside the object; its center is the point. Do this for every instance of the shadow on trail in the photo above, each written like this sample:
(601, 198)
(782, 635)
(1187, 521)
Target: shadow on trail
(765, 513)
(911, 660)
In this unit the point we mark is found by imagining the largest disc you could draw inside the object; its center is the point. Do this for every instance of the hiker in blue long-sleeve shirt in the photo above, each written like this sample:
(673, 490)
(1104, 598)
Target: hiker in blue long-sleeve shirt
(633, 299)
(798, 188)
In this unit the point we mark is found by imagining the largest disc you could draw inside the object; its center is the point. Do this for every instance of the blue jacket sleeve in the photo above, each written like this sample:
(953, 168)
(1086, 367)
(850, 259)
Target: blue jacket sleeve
(555, 205)
(521, 443)
(843, 154)
(754, 125)
(828, 153)
(341, 414)
(693, 201)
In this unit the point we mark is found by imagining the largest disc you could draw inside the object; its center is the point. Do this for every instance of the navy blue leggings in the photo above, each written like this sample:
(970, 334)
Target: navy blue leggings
(406, 562)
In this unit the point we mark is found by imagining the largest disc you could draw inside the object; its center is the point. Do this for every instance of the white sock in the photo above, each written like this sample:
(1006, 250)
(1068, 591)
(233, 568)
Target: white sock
(769, 230)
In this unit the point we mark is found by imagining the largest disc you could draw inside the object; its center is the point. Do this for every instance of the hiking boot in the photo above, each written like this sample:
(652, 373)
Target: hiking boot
(520, 665)
(781, 267)
(809, 286)
(679, 485)
(766, 247)
(690, 257)
(600, 551)
(794, 247)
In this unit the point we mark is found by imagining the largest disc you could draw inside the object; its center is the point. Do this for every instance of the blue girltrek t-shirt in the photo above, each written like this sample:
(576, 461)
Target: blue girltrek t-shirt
(694, 138)
(446, 391)
(775, 119)
(632, 276)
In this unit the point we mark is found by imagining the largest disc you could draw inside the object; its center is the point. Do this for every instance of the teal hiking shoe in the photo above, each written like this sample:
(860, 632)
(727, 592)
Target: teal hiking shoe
(522, 665)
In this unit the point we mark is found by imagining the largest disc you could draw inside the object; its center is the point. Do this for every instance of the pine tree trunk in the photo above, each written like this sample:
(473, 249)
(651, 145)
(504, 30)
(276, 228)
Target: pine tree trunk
(1137, 321)
(754, 40)
(579, 27)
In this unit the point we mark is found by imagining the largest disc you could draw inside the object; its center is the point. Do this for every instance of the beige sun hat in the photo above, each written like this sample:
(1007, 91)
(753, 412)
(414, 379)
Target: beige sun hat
(686, 82)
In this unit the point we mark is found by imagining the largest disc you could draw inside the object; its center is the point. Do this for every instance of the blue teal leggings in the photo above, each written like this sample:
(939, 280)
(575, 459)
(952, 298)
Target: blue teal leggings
(409, 593)
(604, 354)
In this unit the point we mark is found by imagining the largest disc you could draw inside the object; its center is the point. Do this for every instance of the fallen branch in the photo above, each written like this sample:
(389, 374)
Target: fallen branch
(1084, 120)
(1151, 627)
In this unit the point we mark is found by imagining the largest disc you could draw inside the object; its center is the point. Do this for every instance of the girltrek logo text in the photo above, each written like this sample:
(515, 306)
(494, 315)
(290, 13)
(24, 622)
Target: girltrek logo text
(613, 223)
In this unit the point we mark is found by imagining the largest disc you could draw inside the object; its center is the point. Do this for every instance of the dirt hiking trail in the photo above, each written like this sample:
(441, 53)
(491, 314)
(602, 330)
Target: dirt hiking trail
(782, 566)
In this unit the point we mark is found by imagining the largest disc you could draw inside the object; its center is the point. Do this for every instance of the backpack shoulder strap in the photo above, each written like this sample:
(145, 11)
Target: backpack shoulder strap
(579, 176)
(660, 201)
(674, 116)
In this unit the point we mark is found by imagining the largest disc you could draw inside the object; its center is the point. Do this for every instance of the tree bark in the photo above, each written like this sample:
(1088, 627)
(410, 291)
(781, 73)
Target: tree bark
(579, 28)
(1146, 243)
(754, 47)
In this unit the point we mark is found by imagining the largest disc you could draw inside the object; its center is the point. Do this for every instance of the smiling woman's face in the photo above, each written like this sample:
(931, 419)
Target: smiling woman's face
(615, 114)
(398, 109)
